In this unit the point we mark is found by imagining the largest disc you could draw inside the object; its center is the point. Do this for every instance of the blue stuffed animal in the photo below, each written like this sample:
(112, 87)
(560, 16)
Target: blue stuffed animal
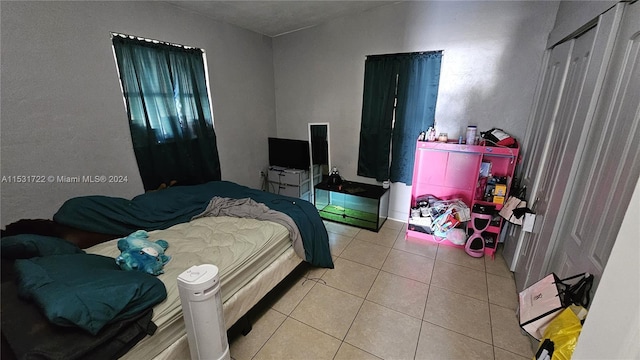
(140, 254)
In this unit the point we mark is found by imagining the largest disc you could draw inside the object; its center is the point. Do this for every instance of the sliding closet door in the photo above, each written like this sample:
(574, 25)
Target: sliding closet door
(539, 135)
(589, 53)
(610, 164)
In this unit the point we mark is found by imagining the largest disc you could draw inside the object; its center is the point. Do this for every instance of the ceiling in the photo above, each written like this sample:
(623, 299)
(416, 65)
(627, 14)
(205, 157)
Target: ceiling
(273, 18)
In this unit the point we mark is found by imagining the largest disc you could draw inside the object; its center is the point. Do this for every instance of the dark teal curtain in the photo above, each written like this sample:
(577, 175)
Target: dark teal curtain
(380, 74)
(410, 81)
(169, 112)
(418, 80)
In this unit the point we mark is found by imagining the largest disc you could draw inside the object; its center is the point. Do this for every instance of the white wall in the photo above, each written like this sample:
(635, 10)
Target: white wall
(62, 111)
(612, 327)
(492, 57)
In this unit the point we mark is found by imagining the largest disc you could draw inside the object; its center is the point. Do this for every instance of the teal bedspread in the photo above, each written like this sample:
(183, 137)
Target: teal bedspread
(162, 209)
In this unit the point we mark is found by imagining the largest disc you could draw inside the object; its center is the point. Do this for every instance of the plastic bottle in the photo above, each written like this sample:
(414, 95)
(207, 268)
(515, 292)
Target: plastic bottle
(471, 135)
(431, 134)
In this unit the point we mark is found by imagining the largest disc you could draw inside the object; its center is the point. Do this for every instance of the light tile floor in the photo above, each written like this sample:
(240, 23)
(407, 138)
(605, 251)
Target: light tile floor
(389, 298)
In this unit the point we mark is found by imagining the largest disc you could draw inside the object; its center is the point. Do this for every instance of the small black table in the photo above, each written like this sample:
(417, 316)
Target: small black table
(362, 205)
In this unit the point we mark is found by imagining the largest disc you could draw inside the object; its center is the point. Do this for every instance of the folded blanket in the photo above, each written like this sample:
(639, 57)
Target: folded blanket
(31, 336)
(85, 290)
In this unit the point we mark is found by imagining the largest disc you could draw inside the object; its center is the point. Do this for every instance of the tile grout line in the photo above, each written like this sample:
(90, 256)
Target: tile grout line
(379, 270)
(365, 298)
(270, 336)
(486, 279)
(357, 312)
(343, 341)
(424, 310)
(288, 316)
(459, 333)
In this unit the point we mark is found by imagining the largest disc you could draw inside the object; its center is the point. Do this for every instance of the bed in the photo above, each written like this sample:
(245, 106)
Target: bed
(202, 224)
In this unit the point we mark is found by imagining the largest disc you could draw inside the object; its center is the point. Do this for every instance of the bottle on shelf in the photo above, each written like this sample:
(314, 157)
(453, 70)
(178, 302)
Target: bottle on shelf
(335, 180)
(481, 180)
(431, 134)
(471, 135)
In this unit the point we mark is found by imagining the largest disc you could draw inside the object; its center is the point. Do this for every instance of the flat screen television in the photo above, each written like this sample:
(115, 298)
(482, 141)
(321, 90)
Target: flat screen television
(289, 153)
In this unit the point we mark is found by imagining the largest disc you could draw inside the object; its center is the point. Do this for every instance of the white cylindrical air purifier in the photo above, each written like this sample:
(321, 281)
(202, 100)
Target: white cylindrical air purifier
(199, 289)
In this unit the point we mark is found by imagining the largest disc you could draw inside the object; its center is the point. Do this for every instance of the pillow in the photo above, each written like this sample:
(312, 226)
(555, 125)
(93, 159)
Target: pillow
(26, 246)
(86, 290)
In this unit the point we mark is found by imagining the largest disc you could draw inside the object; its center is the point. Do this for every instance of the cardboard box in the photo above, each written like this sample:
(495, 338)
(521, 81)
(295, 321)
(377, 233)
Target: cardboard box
(498, 199)
(500, 190)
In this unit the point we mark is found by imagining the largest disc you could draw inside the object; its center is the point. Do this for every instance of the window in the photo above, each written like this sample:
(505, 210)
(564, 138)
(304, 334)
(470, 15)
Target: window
(167, 102)
(399, 101)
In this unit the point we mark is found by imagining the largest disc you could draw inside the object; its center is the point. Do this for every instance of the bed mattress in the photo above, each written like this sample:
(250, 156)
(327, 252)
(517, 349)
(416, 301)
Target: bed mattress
(240, 248)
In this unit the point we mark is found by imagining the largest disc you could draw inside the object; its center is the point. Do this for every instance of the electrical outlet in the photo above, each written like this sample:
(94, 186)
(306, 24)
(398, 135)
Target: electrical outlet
(262, 174)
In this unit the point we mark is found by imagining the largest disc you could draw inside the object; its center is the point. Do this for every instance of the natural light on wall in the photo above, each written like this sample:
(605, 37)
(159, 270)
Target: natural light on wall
(474, 58)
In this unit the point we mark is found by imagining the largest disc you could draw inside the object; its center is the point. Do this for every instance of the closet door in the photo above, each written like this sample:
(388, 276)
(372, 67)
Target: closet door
(589, 53)
(543, 122)
(610, 164)
(541, 130)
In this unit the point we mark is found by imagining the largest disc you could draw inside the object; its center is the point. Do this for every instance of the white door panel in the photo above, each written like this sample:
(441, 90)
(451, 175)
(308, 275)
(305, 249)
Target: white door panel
(546, 110)
(538, 139)
(552, 179)
(610, 166)
(561, 154)
(552, 176)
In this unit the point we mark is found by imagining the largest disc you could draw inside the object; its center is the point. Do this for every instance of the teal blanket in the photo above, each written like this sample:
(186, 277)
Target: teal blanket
(162, 209)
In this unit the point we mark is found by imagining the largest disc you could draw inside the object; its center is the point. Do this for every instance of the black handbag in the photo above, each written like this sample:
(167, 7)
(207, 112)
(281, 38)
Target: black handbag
(578, 292)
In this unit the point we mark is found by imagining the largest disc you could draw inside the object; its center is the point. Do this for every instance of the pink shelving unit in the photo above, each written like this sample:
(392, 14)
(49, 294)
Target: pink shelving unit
(448, 170)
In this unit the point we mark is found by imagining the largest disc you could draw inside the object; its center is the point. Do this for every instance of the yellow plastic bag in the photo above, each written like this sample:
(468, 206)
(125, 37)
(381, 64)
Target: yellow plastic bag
(563, 331)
